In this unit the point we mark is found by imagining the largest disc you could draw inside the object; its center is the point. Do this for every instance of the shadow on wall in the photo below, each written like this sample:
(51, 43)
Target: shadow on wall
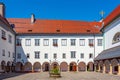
(22, 64)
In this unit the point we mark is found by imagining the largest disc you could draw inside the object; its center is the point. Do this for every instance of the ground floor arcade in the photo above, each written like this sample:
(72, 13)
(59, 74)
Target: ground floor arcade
(110, 66)
(46, 66)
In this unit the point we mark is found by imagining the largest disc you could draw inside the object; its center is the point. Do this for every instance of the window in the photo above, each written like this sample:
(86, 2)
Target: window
(37, 54)
(3, 35)
(82, 42)
(55, 42)
(13, 55)
(55, 56)
(64, 56)
(116, 38)
(90, 55)
(18, 42)
(99, 43)
(28, 55)
(82, 55)
(64, 42)
(28, 42)
(8, 53)
(3, 52)
(91, 42)
(72, 42)
(9, 38)
(19, 56)
(73, 54)
(46, 42)
(37, 42)
(46, 56)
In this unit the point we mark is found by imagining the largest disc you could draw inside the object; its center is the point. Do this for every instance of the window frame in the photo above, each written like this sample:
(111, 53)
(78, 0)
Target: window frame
(73, 54)
(82, 42)
(37, 54)
(27, 42)
(46, 42)
(37, 42)
(64, 42)
(73, 42)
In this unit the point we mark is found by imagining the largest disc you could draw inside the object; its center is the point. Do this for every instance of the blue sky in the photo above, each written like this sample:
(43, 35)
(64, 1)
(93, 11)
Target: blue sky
(85, 10)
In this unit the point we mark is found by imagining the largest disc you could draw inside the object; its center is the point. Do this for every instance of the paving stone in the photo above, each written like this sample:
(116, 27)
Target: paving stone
(65, 76)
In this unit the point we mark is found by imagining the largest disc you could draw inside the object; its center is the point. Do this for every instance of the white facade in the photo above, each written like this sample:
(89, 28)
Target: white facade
(59, 49)
(109, 33)
(7, 45)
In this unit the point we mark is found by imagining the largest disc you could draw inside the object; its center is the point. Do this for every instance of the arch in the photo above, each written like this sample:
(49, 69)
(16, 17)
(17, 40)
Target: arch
(54, 64)
(116, 37)
(37, 66)
(90, 66)
(107, 66)
(64, 66)
(45, 66)
(27, 67)
(18, 66)
(3, 64)
(114, 64)
(101, 66)
(8, 66)
(96, 63)
(81, 66)
(73, 66)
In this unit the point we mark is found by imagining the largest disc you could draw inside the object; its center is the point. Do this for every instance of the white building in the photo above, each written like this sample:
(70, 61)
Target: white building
(7, 43)
(109, 60)
(43, 44)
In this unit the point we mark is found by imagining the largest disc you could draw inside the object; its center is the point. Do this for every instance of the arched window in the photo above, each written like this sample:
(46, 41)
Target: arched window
(116, 38)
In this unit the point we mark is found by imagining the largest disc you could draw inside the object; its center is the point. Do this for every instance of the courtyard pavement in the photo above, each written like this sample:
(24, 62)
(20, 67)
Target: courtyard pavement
(65, 76)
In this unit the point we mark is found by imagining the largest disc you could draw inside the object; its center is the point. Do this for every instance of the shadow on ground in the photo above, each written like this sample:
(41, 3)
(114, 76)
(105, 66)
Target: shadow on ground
(9, 75)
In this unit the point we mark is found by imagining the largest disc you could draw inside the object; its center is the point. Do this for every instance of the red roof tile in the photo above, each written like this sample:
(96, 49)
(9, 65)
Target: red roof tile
(54, 26)
(115, 13)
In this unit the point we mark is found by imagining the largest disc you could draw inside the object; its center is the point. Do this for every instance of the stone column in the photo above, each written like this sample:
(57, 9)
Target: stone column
(119, 69)
(77, 68)
(68, 68)
(98, 68)
(95, 69)
(104, 70)
(86, 68)
(110, 72)
(32, 69)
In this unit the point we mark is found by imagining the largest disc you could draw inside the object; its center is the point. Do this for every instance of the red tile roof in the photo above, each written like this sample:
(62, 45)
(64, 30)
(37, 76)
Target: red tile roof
(54, 26)
(115, 13)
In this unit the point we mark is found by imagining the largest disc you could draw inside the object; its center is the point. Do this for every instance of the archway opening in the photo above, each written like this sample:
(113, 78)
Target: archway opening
(64, 66)
(45, 66)
(37, 66)
(19, 67)
(82, 66)
(3, 65)
(73, 66)
(28, 67)
(90, 66)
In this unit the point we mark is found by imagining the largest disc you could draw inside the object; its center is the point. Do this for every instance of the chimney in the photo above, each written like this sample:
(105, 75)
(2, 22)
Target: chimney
(32, 18)
(2, 9)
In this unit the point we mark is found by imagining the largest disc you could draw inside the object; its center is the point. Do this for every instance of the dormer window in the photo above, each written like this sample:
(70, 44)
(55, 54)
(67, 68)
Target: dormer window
(29, 30)
(88, 30)
(57, 30)
(116, 38)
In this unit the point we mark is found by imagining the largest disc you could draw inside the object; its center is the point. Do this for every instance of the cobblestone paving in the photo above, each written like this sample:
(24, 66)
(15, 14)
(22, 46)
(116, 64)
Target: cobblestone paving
(65, 76)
